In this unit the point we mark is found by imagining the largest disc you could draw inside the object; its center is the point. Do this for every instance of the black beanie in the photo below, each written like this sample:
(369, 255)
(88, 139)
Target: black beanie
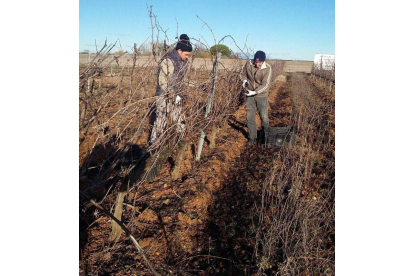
(184, 44)
(260, 55)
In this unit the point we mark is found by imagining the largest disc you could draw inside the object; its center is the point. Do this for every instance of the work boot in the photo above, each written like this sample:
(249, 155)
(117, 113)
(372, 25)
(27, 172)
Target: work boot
(262, 135)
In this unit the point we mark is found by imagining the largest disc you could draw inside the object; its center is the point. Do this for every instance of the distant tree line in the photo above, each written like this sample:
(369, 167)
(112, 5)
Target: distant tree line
(160, 49)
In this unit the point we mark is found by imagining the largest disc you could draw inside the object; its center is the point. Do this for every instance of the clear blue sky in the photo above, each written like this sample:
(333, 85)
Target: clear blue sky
(294, 29)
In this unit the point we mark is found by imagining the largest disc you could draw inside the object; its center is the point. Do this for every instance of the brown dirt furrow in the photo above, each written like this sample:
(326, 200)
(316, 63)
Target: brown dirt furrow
(203, 222)
(175, 221)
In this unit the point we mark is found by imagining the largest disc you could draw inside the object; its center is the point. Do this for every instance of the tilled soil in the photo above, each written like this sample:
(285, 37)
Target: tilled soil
(198, 224)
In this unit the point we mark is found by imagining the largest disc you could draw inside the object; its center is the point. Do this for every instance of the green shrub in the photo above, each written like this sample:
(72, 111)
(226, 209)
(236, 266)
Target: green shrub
(220, 48)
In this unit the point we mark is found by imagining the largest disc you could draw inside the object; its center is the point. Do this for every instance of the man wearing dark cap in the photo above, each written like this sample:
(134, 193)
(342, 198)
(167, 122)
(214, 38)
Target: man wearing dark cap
(256, 76)
(171, 71)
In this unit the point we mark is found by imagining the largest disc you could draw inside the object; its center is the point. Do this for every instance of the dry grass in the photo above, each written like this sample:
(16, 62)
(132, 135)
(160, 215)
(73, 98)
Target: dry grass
(295, 218)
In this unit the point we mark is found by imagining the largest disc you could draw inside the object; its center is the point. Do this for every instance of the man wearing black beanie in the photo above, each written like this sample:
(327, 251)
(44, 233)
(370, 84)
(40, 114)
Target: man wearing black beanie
(171, 71)
(184, 44)
(256, 76)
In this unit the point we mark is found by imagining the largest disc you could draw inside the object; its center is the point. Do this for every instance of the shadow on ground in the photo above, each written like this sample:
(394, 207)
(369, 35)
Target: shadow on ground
(230, 234)
(99, 176)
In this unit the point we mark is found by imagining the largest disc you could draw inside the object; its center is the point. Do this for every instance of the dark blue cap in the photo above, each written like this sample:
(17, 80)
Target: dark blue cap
(260, 55)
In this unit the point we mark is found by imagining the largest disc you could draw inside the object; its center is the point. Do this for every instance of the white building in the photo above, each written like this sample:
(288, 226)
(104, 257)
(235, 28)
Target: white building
(327, 62)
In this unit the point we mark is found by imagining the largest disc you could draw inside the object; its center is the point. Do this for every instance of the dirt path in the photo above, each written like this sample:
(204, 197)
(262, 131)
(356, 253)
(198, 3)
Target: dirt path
(196, 225)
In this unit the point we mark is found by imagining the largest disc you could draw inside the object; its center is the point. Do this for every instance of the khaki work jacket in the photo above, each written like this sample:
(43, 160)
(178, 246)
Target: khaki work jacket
(258, 79)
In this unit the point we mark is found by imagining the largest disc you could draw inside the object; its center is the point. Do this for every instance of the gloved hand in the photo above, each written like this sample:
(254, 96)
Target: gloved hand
(250, 93)
(244, 84)
(177, 100)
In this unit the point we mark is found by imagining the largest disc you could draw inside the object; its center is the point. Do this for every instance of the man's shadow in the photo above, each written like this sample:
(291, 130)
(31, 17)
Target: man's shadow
(239, 126)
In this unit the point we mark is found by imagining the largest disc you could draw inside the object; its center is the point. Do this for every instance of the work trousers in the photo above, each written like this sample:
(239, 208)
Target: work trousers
(262, 105)
(168, 114)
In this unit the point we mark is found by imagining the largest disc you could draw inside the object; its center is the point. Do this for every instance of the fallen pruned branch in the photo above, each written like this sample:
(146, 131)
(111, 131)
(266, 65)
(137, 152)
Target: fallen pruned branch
(129, 234)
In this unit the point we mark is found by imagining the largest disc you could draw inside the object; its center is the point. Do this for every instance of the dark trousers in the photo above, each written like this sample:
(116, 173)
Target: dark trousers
(262, 105)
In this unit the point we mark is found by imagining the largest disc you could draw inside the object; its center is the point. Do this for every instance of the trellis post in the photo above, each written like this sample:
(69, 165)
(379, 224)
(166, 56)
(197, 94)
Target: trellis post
(209, 102)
